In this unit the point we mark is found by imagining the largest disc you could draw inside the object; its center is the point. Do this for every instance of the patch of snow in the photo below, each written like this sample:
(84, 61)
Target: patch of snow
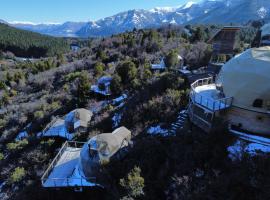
(22, 135)
(120, 99)
(163, 9)
(117, 119)
(188, 5)
(157, 130)
(253, 149)
(120, 105)
(173, 21)
(105, 80)
(96, 89)
(262, 12)
(2, 184)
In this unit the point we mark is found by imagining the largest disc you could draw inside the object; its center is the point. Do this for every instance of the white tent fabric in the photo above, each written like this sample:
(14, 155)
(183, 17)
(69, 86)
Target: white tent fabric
(246, 77)
(265, 30)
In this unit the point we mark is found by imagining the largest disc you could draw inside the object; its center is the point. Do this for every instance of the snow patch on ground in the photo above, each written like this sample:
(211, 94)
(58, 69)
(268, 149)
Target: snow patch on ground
(253, 149)
(22, 135)
(117, 119)
(119, 99)
(157, 130)
(188, 5)
(96, 89)
(2, 184)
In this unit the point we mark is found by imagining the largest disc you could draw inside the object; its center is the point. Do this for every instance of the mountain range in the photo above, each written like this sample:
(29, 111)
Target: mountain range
(204, 12)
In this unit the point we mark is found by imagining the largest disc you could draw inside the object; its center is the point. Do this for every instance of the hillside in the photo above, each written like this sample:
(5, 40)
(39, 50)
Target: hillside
(190, 165)
(29, 44)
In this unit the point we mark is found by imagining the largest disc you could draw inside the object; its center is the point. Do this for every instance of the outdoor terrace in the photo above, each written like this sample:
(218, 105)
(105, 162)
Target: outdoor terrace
(204, 93)
(63, 170)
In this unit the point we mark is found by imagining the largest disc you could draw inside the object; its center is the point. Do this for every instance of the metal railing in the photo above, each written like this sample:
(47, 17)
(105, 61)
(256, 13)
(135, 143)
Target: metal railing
(208, 103)
(68, 180)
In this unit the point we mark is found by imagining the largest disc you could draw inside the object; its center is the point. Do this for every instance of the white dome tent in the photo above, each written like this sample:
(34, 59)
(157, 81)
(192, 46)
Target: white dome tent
(246, 78)
(265, 30)
(240, 95)
(265, 35)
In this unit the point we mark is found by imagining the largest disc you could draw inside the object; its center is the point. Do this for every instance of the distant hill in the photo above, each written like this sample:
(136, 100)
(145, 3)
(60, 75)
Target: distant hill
(67, 29)
(29, 44)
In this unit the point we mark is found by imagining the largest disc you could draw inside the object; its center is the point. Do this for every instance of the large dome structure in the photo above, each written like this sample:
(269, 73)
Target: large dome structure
(101, 149)
(265, 30)
(246, 78)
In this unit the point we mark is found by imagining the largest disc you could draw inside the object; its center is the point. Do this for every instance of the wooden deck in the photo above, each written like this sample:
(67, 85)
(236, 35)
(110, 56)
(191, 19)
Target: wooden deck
(64, 171)
(64, 168)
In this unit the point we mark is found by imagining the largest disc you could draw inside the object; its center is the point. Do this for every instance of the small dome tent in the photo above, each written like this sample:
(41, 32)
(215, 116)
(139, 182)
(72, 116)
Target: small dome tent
(246, 78)
(101, 149)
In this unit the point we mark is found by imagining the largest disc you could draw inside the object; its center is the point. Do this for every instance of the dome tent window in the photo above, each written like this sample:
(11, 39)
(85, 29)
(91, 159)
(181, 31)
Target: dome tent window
(258, 103)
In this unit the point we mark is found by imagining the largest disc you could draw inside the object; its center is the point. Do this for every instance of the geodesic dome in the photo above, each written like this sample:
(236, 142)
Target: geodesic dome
(100, 149)
(246, 77)
(265, 30)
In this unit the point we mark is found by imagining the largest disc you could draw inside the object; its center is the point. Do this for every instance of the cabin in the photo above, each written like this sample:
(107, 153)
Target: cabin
(240, 95)
(224, 45)
(103, 86)
(159, 66)
(78, 165)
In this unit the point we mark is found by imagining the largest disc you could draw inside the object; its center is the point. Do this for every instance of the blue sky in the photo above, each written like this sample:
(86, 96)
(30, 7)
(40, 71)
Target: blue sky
(73, 10)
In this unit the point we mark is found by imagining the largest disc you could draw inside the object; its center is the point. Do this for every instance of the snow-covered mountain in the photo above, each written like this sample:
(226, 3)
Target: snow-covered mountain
(2, 21)
(67, 29)
(207, 11)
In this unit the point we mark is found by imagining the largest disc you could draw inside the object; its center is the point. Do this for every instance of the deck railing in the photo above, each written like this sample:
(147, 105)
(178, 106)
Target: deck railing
(206, 102)
(45, 176)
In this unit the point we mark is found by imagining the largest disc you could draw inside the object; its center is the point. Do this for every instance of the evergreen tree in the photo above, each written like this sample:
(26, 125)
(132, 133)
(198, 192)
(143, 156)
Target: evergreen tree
(99, 68)
(199, 34)
(83, 88)
(133, 183)
(116, 86)
(127, 71)
(171, 60)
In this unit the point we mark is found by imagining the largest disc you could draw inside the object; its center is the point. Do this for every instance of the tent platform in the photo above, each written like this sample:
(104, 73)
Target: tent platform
(63, 171)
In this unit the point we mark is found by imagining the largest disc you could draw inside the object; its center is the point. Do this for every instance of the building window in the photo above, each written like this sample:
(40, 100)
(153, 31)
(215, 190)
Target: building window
(258, 103)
